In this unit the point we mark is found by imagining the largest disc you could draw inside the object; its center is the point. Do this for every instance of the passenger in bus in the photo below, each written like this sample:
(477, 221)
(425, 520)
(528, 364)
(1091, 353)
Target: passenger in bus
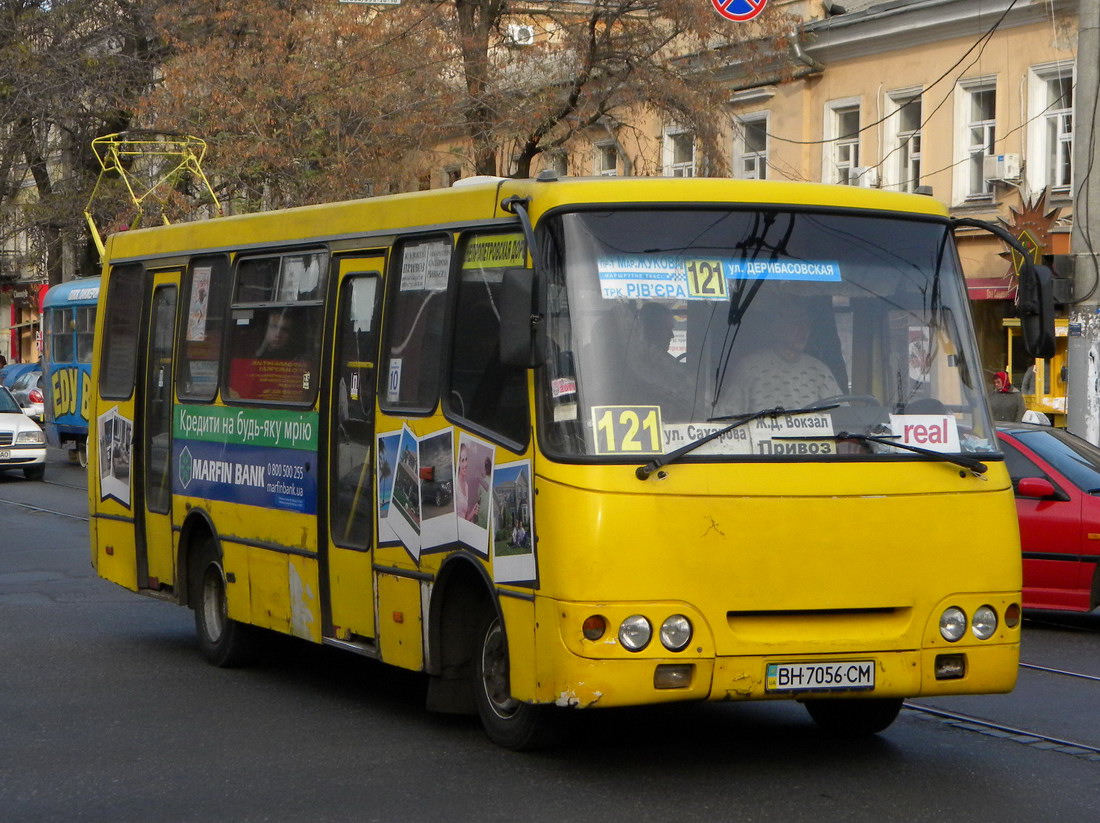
(655, 375)
(780, 373)
(279, 341)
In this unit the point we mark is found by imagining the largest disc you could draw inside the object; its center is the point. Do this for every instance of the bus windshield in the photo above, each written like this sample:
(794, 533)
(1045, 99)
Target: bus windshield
(666, 325)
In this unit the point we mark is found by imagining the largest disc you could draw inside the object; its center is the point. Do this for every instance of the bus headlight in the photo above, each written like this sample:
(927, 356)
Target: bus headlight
(984, 622)
(952, 623)
(635, 633)
(676, 633)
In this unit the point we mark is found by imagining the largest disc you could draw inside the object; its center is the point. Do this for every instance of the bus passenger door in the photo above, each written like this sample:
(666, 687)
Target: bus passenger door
(347, 579)
(156, 562)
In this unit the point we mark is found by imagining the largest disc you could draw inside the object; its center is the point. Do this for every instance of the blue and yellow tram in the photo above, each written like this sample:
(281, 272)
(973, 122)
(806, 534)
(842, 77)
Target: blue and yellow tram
(68, 322)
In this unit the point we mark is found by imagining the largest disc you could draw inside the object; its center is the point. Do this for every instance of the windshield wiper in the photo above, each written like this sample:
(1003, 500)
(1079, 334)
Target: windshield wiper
(974, 464)
(643, 472)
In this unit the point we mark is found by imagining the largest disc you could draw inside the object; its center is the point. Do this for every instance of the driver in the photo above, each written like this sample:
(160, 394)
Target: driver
(654, 372)
(781, 373)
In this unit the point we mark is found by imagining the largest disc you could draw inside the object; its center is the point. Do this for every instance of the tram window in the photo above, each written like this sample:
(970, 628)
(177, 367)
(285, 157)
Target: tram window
(206, 290)
(414, 331)
(85, 333)
(120, 330)
(59, 336)
(483, 390)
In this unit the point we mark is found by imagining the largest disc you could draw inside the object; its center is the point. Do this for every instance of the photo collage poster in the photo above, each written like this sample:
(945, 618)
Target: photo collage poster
(387, 462)
(473, 497)
(115, 445)
(404, 514)
(437, 491)
(513, 541)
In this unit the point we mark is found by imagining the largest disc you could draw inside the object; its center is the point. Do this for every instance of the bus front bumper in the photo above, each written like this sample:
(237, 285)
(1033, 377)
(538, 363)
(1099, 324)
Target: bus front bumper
(973, 669)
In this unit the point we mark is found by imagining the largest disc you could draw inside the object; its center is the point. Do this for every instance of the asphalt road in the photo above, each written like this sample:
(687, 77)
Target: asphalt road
(107, 713)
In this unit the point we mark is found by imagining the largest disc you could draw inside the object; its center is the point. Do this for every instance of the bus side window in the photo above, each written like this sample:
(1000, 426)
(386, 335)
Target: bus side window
(409, 379)
(482, 390)
(118, 359)
(205, 293)
(275, 328)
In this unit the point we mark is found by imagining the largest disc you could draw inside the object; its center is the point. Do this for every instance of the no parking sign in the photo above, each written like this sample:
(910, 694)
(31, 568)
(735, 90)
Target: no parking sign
(739, 10)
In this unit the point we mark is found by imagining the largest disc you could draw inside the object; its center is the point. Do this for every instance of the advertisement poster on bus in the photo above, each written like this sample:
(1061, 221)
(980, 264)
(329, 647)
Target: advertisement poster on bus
(387, 462)
(472, 492)
(404, 513)
(115, 443)
(439, 526)
(259, 457)
(513, 543)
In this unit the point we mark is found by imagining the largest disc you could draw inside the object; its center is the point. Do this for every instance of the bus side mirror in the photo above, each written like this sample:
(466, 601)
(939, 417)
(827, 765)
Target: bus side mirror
(1035, 303)
(1034, 294)
(519, 324)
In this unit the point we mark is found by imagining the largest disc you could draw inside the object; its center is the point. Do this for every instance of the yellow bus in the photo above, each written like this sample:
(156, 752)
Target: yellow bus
(567, 443)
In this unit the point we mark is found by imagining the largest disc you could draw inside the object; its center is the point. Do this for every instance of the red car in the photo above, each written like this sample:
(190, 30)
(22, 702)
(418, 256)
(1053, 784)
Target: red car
(1056, 476)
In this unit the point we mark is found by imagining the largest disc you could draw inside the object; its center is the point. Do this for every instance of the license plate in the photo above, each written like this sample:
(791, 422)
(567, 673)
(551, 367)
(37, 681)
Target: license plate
(5, 454)
(813, 677)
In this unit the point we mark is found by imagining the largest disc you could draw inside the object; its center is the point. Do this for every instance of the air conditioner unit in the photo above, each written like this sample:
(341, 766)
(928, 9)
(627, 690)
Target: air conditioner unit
(1001, 167)
(521, 35)
(863, 176)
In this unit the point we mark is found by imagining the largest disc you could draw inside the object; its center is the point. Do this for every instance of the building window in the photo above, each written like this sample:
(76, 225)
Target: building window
(451, 175)
(842, 144)
(1050, 127)
(606, 160)
(750, 147)
(678, 153)
(558, 161)
(978, 104)
(903, 132)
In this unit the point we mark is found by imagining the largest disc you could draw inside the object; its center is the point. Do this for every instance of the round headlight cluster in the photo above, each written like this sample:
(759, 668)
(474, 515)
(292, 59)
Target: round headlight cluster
(636, 631)
(676, 633)
(953, 623)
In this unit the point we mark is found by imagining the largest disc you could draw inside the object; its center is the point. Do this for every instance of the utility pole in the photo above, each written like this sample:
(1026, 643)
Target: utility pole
(1084, 318)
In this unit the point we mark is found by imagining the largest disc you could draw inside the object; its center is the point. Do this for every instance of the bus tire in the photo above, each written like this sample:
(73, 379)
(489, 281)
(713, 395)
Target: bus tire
(508, 722)
(223, 642)
(854, 717)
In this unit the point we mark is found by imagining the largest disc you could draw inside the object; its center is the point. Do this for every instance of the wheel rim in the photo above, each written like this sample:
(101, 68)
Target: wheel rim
(213, 602)
(494, 672)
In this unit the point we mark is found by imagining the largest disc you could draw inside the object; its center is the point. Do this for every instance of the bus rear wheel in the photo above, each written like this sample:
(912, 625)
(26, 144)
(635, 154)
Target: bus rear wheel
(223, 642)
(510, 723)
(854, 717)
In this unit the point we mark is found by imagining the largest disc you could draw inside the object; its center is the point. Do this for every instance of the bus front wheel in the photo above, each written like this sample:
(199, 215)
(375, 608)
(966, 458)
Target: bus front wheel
(854, 717)
(223, 642)
(510, 723)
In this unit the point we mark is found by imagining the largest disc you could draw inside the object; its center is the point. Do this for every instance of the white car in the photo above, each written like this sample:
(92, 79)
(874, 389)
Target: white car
(22, 443)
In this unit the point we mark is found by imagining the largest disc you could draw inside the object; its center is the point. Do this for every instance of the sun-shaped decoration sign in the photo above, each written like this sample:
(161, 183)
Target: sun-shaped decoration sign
(1031, 224)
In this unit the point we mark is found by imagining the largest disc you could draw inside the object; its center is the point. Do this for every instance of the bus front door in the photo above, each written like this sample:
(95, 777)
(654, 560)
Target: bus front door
(155, 556)
(347, 580)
